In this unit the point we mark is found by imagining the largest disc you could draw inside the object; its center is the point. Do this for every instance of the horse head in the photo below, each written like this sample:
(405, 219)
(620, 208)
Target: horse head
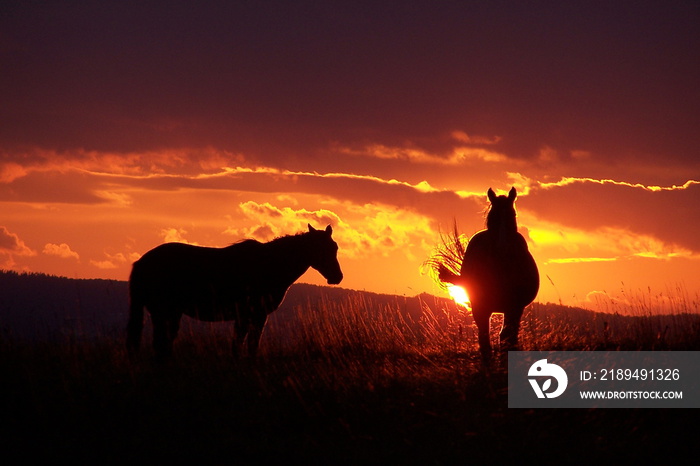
(501, 214)
(324, 255)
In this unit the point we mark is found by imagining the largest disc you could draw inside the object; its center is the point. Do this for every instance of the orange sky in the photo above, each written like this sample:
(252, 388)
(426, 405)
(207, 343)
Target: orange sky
(126, 126)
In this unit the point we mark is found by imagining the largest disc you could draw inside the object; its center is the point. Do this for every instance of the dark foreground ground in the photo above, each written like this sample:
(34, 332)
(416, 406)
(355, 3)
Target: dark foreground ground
(344, 377)
(89, 405)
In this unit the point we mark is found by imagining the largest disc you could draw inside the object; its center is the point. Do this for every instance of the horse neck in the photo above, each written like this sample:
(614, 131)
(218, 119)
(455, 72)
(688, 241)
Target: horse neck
(289, 257)
(501, 227)
(496, 220)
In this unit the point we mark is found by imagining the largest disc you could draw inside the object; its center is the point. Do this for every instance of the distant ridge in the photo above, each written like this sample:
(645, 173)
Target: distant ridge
(36, 306)
(39, 306)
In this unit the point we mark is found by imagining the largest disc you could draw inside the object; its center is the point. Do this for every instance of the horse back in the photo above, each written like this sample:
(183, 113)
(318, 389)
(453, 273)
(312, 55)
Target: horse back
(500, 269)
(210, 284)
(184, 261)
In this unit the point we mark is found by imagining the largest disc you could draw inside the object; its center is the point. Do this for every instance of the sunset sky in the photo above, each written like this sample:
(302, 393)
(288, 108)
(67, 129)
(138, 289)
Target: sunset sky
(127, 124)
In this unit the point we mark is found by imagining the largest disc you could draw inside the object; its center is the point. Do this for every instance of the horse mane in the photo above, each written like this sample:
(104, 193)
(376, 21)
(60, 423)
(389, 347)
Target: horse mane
(279, 241)
(282, 239)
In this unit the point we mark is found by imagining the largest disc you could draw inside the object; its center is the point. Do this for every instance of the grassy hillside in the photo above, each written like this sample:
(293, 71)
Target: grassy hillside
(343, 378)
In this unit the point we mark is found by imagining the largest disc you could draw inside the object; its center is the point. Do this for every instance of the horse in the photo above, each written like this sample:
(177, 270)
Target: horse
(498, 272)
(243, 282)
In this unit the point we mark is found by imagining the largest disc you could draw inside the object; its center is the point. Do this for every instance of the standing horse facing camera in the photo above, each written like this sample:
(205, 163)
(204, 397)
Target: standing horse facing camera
(498, 273)
(243, 282)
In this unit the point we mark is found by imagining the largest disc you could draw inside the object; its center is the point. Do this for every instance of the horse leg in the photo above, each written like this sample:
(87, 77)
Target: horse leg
(173, 328)
(255, 332)
(481, 318)
(165, 328)
(160, 335)
(240, 330)
(509, 331)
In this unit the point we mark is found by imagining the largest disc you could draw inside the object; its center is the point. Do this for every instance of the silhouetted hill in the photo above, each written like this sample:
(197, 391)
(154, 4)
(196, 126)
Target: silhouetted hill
(38, 306)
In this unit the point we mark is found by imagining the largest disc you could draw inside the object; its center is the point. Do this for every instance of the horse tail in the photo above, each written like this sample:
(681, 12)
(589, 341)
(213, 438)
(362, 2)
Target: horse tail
(136, 304)
(446, 276)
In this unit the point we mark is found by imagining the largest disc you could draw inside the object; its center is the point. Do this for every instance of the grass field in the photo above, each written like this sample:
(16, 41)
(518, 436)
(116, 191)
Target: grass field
(349, 381)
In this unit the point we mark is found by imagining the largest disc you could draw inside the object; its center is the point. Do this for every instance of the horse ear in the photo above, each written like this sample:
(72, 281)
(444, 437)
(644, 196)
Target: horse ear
(311, 229)
(512, 194)
(491, 195)
(329, 230)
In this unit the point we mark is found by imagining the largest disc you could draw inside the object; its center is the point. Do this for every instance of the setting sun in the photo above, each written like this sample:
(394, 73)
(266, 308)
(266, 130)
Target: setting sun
(459, 295)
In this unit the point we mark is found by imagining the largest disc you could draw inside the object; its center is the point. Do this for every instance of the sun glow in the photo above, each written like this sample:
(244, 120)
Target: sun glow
(459, 295)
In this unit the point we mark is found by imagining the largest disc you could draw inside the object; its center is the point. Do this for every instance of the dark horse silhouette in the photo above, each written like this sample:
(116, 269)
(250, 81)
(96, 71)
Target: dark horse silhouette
(498, 273)
(243, 282)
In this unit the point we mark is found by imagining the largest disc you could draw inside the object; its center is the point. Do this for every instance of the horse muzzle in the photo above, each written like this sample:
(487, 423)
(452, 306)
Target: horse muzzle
(335, 280)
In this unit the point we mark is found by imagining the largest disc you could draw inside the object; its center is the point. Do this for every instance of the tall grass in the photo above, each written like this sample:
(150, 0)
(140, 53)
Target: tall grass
(446, 258)
(353, 380)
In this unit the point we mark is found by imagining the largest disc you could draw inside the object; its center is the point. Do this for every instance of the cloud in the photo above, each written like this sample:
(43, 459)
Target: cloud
(655, 215)
(279, 174)
(114, 261)
(566, 181)
(525, 183)
(270, 221)
(602, 300)
(463, 137)
(574, 260)
(384, 229)
(11, 244)
(60, 250)
(358, 189)
(115, 198)
(10, 171)
(20, 163)
(10, 247)
(121, 180)
(131, 189)
(455, 156)
(105, 264)
(81, 177)
(365, 230)
(566, 245)
(174, 235)
(421, 197)
(53, 187)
